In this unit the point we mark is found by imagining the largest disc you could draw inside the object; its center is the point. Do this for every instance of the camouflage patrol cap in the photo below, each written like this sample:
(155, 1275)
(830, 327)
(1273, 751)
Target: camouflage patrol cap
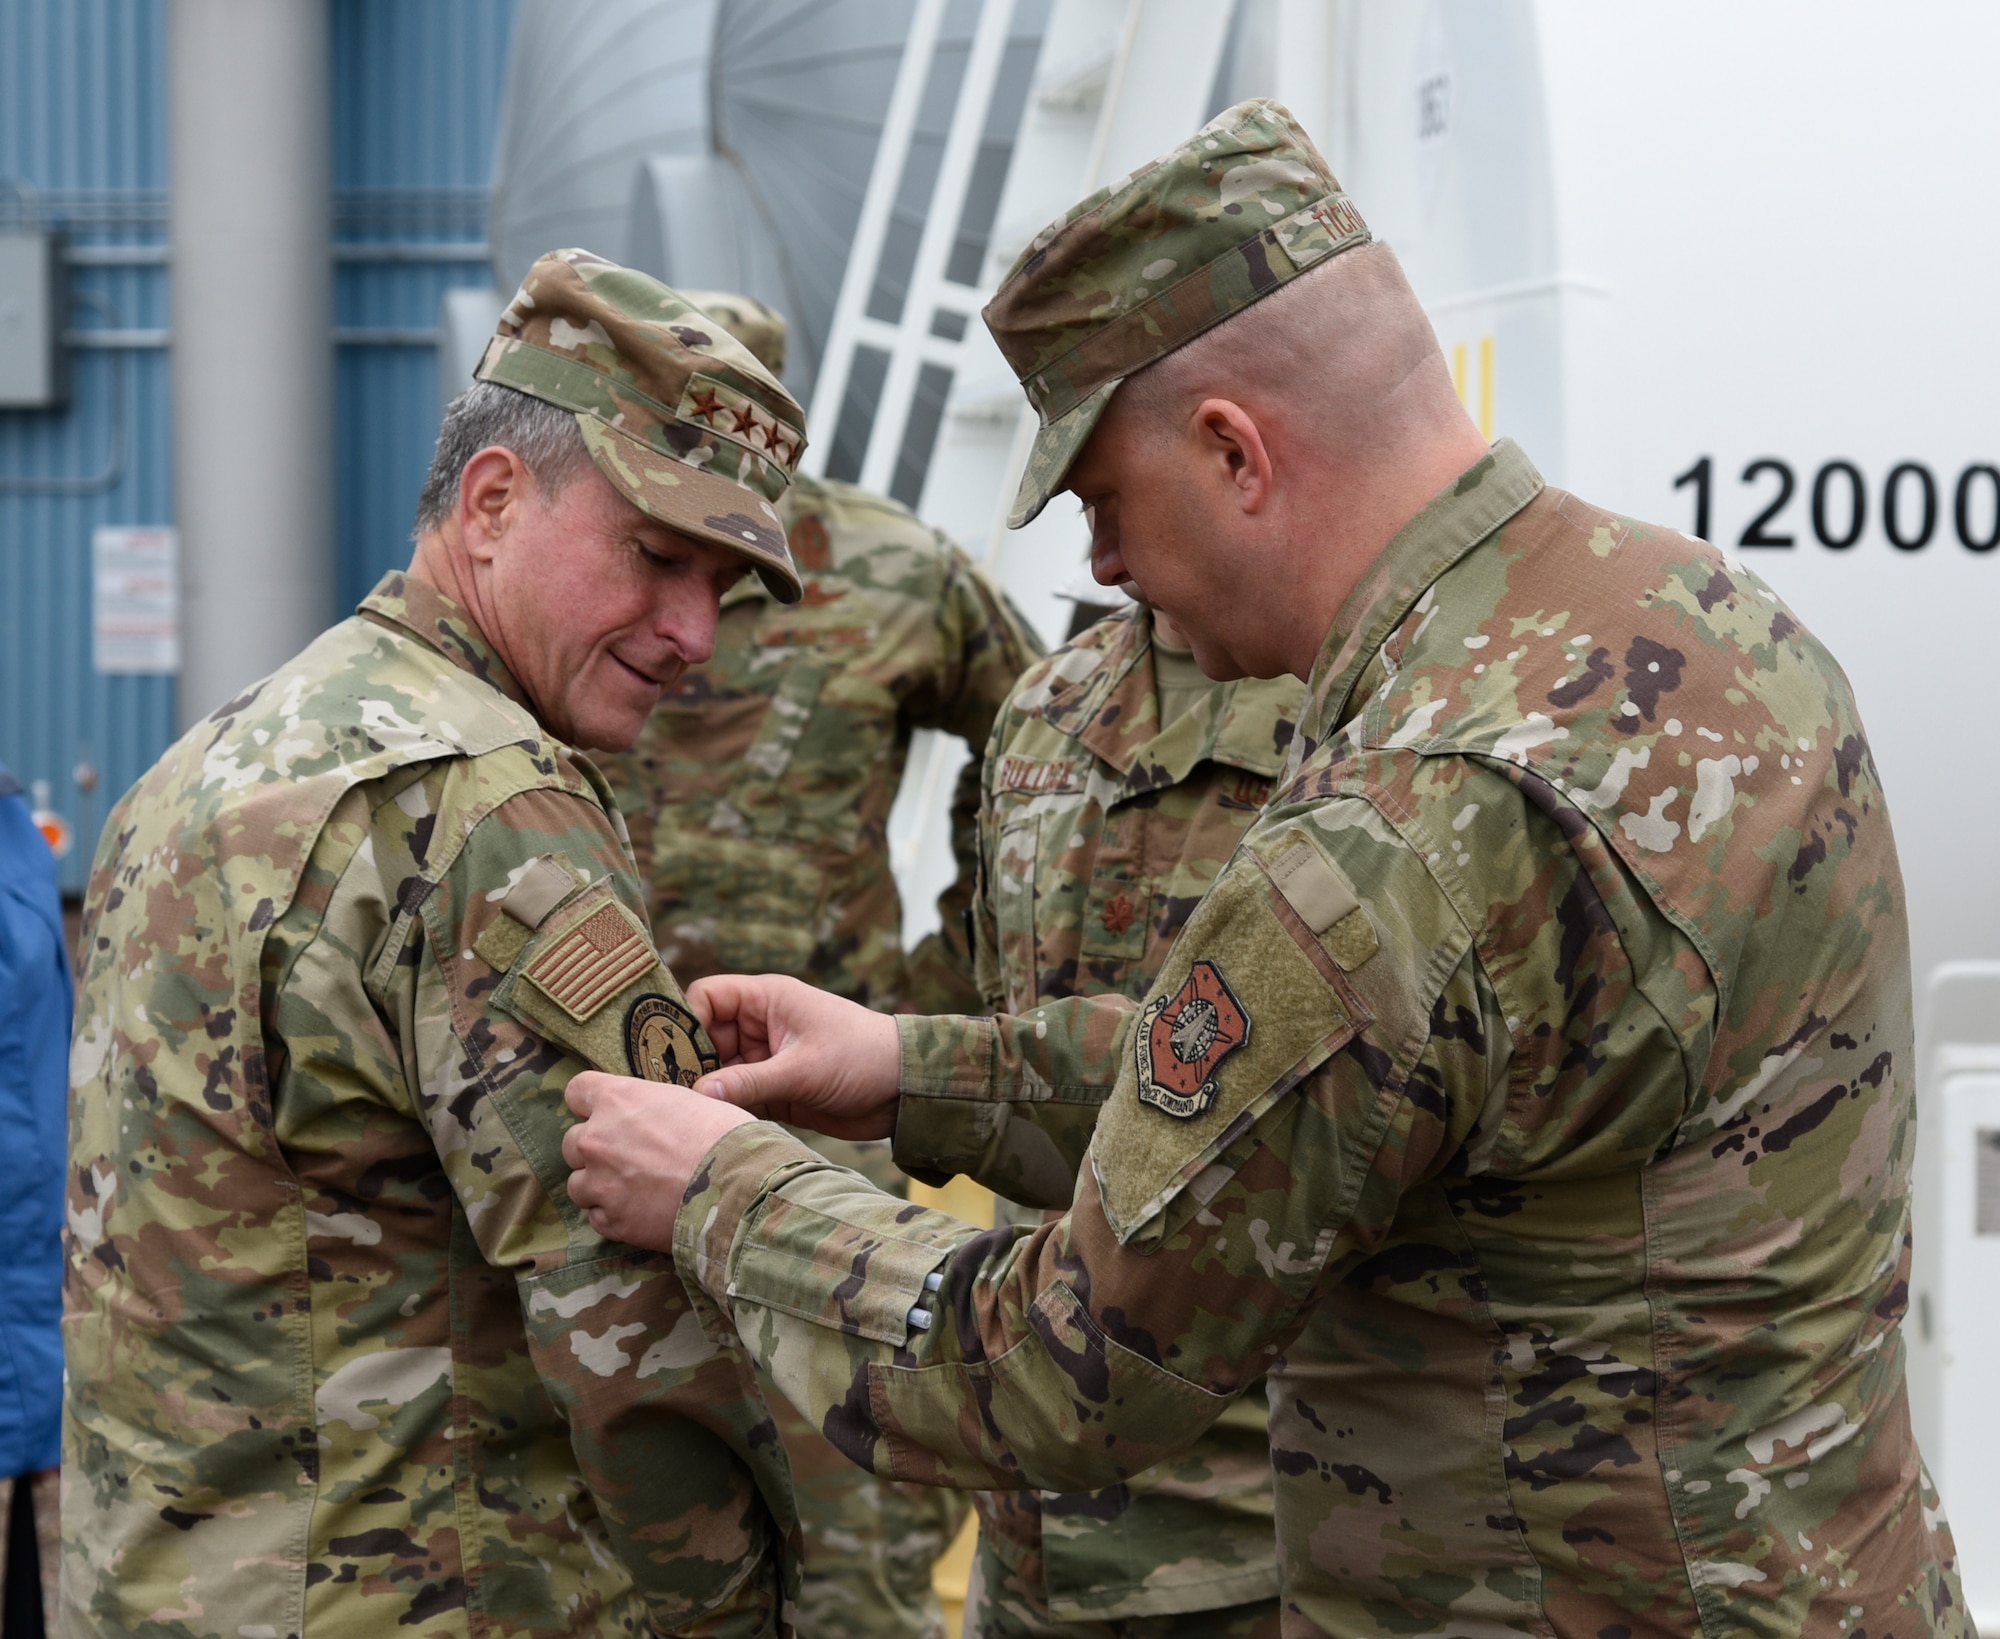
(1146, 265)
(676, 413)
(757, 327)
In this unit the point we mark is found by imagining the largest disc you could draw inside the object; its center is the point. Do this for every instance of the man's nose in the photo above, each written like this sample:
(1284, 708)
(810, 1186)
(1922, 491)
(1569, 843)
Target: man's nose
(1107, 564)
(690, 624)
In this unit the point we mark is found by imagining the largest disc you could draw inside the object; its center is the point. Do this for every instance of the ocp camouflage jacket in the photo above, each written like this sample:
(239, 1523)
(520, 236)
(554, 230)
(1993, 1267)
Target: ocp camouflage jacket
(344, 1359)
(1100, 832)
(1533, 1093)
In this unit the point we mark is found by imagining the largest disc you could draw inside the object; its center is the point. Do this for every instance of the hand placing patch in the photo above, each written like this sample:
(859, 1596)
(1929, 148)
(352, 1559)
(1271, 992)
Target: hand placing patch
(663, 1042)
(1182, 1039)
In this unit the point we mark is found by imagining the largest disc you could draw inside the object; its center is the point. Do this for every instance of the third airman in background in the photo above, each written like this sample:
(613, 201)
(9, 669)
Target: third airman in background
(758, 800)
(1118, 783)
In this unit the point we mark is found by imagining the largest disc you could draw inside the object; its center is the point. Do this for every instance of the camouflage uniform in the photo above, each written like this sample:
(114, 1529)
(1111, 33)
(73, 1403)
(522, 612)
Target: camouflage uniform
(1102, 831)
(1533, 1091)
(758, 801)
(343, 1356)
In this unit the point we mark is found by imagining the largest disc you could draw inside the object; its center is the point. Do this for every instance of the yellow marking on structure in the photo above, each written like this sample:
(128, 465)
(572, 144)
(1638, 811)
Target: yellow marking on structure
(1485, 388)
(1458, 372)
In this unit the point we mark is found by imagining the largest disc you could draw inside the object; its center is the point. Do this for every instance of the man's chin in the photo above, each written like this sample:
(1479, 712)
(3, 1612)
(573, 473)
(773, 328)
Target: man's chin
(610, 725)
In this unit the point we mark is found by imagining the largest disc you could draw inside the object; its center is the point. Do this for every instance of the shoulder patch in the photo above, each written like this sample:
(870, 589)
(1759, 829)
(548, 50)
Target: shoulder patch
(1238, 1017)
(585, 967)
(1182, 1039)
(664, 1041)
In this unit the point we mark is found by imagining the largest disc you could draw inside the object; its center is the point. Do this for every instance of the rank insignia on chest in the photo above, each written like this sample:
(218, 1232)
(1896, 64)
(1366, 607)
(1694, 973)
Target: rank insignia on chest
(663, 1042)
(1182, 1040)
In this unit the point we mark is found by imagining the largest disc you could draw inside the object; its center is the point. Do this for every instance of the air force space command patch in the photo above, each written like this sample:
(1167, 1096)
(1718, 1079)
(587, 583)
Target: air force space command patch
(663, 1042)
(1182, 1040)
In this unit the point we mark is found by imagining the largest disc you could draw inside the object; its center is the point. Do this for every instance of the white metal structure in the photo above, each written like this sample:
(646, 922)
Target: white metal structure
(1954, 1327)
(591, 90)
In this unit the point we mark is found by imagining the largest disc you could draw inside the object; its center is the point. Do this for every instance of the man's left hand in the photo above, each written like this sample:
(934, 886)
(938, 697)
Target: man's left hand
(634, 1151)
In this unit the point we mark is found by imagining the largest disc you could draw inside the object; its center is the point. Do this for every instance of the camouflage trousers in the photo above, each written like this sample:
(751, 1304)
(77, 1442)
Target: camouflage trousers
(869, 1543)
(46, 1505)
(1010, 1602)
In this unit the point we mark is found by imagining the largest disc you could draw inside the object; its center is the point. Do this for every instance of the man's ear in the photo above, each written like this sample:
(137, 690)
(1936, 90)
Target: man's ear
(491, 491)
(1229, 436)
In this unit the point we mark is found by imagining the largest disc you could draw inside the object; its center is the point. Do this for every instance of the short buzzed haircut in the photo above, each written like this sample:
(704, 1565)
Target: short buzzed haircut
(1345, 343)
(542, 434)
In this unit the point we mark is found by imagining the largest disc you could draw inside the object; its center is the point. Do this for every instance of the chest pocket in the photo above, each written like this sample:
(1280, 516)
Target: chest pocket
(758, 794)
(1118, 906)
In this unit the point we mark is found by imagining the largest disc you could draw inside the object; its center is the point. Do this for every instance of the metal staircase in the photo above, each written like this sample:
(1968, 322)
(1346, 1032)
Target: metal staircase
(913, 398)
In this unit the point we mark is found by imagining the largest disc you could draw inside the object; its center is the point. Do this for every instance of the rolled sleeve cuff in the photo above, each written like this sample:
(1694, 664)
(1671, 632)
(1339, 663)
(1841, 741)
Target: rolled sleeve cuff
(769, 1224)
(741, 1167)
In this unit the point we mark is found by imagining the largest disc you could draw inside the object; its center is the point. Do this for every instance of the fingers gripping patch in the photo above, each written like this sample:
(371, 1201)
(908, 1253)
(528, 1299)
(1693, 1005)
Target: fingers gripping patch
(1182, 1039)
(663, 1042)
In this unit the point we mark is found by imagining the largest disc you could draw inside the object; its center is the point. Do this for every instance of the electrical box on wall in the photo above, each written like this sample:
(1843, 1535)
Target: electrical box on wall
(32, 357)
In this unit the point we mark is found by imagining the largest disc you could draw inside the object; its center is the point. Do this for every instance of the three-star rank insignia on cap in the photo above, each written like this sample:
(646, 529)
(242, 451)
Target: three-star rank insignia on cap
(1182, 1040)
(663, 1042)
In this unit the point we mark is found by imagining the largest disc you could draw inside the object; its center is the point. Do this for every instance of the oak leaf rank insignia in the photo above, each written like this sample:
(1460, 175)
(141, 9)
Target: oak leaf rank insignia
(1182, 1040)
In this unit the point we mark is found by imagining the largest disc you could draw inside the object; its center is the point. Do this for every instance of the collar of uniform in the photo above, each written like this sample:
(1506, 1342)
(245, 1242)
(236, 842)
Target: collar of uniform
(1452, 523)
(410, 605)
(1230, 725)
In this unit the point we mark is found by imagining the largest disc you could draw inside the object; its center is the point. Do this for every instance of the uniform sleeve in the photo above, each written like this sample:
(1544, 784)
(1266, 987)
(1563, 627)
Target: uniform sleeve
(984, 645)
(1274, 1098)
(1009, 1101)
(669, 1430)
(1022, 1134)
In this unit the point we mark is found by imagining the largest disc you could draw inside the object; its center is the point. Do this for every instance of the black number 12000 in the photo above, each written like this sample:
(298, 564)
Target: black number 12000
(1837, 502)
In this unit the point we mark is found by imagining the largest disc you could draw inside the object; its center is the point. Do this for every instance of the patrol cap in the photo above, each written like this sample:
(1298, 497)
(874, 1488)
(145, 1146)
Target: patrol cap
(1144, 266)
(676, 413)
(761, 329)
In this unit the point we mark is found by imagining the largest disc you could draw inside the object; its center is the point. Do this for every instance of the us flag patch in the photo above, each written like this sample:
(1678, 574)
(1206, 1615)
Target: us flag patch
(591, 963)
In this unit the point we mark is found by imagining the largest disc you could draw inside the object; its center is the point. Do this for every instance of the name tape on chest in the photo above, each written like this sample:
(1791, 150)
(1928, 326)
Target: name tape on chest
(1031, 774)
